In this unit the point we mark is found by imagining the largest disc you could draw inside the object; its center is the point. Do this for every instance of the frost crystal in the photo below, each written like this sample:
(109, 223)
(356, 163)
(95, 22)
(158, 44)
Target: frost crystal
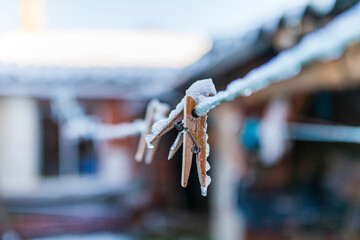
(208, 178)
(161, 109)
(207, 183)
(201, 90)
(207, 166)
(198, 91)
(160, 124)
(175, 144)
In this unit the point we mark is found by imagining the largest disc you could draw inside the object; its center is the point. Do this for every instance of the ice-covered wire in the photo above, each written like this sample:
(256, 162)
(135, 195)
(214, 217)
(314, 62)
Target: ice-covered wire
(323, 44)
(76, 124)
(89, 128)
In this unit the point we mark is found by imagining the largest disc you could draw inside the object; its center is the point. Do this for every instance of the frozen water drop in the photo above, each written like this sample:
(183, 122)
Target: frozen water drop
(247, 91)
(204, 189)
(207, 166)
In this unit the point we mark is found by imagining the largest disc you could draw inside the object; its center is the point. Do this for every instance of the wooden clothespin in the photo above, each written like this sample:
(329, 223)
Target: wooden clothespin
(192, 132)
(155, 111)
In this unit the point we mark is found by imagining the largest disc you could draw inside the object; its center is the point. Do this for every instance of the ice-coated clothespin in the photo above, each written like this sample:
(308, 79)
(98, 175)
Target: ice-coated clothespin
(155, 111)
(192, 132)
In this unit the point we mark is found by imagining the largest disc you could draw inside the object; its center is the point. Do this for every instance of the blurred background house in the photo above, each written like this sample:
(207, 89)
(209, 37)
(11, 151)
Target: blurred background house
(113, 57)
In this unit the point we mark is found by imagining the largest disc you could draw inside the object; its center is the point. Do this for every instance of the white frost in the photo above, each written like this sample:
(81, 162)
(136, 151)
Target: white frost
(207, 166)
(90, 128)
(177, 139)
(159, 125)
(160, 109)
(208, 178)
(207, 183)
(75, 124)
(198, 91)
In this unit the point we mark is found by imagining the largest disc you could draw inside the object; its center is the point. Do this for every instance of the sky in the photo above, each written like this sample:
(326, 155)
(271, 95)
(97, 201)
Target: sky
(9, 16)
(218, 18)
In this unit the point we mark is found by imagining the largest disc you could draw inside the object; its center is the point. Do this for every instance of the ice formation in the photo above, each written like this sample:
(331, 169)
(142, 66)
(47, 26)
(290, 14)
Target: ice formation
(176, 143)
(199, 91)
(208, 178)
(207, 183)
(77, 125)
(89, 128)
(158, 125)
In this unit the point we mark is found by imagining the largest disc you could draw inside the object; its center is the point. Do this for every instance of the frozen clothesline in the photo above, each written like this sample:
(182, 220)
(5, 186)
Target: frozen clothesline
(323, 44)
(199, 91)
(192, 132)
(77, 125)
(88, 128)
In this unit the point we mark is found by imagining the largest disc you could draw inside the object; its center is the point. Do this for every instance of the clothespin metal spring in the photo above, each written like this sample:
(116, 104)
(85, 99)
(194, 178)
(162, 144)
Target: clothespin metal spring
(180, 127)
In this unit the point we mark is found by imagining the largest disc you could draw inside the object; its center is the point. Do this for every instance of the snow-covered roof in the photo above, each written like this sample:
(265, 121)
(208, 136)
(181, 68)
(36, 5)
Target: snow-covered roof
(247, 41)
(94, 82)
(113, 64)
(95, 48)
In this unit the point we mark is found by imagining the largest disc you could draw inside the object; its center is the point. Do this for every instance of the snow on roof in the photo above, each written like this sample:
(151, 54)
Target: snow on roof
(112, 83)
(147, 48)
(101, 64)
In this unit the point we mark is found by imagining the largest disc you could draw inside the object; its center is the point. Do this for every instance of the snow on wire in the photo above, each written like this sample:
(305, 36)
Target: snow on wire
(76, 124)
(323, 44)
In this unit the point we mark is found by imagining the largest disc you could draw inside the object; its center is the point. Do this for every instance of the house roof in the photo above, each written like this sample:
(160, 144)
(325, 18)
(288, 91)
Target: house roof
(323, 48)
(256, 40)
(110, 64)
(101, 48)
